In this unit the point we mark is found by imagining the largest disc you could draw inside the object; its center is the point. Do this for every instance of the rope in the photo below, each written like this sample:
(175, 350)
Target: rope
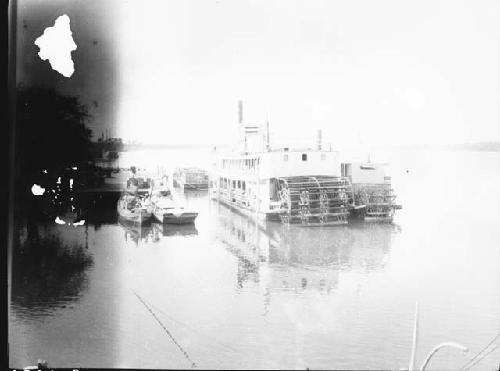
(471, 361)
(195, 330)
(479, 359)
(166, 330)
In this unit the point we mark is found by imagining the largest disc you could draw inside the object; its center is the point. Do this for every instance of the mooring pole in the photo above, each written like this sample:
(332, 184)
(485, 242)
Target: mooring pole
(415, 339)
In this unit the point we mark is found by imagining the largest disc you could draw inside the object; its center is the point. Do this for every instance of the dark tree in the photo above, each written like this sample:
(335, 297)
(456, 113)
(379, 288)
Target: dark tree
(51, 134)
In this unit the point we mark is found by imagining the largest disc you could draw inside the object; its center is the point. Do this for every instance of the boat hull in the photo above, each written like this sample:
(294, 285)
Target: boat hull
(280, 217)
(378, 219)
(139, 214)
(142, 216)
(171, 218)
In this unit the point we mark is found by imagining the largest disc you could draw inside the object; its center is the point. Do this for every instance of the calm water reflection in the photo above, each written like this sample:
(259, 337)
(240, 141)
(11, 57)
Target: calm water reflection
(154, 232)
(48, 274)
(301, 257)
(237, 294)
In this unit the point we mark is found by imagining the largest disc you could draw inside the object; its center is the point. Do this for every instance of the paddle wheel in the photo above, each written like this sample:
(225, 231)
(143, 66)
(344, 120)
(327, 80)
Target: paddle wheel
(379, 200)
(315, 199)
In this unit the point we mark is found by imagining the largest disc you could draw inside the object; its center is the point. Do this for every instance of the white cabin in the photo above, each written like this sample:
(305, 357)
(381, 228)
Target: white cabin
(304, 183)
(366, 172)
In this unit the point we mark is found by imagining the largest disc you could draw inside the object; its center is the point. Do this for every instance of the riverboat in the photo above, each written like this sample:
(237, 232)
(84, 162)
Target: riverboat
(300, 185)
(371, 186)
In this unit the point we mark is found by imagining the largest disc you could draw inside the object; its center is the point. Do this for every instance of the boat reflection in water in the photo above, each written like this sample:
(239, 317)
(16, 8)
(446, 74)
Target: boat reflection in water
(289, 257)
(139, 233)
(169, 230)
(152, 233)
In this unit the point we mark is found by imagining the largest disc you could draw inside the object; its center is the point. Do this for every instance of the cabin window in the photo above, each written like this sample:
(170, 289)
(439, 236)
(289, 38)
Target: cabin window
(285, 158)
(243, 186)
(234, 183)
(239, 184)
(323, 157)
(304, 157)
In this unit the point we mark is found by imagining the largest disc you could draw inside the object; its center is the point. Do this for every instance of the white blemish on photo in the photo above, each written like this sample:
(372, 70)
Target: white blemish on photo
(37, 190)
(56, 45)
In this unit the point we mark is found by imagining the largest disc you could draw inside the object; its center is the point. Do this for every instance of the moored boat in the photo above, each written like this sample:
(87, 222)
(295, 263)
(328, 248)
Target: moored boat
(291, 184)
(167, 210)
(134, 209)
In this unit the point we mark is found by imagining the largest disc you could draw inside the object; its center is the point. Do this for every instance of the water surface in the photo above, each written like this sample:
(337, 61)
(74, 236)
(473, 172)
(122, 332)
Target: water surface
(235, 294)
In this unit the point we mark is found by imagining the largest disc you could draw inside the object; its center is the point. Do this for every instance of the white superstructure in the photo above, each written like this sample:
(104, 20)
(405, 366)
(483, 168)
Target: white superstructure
(288, 184)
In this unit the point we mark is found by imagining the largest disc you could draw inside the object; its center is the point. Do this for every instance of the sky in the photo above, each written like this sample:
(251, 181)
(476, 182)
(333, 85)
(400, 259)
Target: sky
(366, 72)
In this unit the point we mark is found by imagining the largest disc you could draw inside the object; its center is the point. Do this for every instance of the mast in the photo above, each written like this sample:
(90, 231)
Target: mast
(268, 146)
(240, 112)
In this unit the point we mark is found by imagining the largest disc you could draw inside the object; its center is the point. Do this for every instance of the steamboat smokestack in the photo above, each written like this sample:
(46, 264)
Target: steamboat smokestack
(240, 112)
(268, 145)
(320, 139)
